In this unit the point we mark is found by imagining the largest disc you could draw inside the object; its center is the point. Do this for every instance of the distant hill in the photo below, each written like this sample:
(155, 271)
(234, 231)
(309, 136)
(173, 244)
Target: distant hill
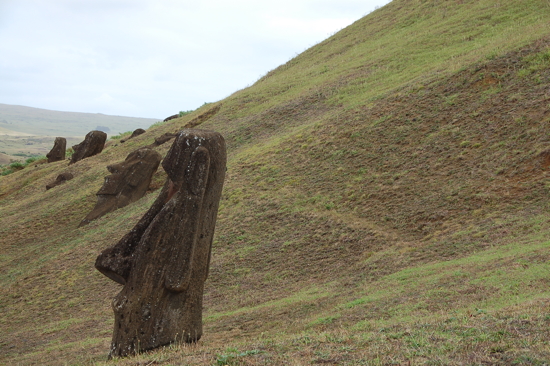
(27, 131)
(44, 122)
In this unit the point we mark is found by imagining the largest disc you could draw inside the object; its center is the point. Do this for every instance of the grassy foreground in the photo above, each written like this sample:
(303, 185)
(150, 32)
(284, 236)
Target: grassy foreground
(386, 203)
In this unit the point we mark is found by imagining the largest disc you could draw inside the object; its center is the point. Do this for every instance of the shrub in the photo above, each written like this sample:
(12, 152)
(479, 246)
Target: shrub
(18, 165)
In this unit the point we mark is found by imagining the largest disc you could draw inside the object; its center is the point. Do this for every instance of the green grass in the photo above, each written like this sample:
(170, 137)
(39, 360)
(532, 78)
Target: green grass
(18, 165)
(385, 204)
(121, 135)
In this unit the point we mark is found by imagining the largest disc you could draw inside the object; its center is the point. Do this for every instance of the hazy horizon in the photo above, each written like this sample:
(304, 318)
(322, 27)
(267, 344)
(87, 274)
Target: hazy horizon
(149, 59)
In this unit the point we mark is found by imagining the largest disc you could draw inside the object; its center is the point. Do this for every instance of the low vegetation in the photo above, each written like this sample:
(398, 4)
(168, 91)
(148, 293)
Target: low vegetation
(121, 135)
(17, 165)
(386, 203)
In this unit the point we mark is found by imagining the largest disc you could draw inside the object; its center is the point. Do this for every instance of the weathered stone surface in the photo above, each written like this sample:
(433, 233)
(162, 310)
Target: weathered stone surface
(163, 261)
(127, 183)
(57, 153)
(92, 145)
(139, 131)
(61, 178)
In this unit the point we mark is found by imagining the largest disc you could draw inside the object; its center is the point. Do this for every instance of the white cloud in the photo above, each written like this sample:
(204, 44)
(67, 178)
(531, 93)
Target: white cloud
(152, 58)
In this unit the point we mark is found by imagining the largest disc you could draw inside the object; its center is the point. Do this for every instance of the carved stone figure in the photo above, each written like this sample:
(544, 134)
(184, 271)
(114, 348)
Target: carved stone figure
(139, 131)
(127, 183)
(57, 153)
(163, 261)
(92, 145)
(61, 178)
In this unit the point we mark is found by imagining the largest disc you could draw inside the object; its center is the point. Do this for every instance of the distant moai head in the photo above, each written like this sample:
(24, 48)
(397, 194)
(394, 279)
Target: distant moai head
(57, 153)
(163, 261)
(61, 178)
(127, 183)
(92, 145)
(139, 131)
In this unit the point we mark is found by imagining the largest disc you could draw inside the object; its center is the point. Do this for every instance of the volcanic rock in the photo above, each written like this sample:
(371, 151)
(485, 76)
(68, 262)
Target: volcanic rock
(163, 261)
(92, 145)
(57, 153)
(127, 183)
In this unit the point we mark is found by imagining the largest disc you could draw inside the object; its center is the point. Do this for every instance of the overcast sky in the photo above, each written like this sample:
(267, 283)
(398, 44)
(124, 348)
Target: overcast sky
(153, 58)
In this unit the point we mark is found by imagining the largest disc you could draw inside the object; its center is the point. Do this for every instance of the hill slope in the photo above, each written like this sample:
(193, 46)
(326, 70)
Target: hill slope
(386, 202)
(45, 122)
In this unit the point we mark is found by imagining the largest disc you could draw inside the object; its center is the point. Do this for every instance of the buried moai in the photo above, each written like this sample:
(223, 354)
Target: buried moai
(57, 152)
(128, 182)
(61, 178)
(139, 131)
(164, 260)
(92, 145)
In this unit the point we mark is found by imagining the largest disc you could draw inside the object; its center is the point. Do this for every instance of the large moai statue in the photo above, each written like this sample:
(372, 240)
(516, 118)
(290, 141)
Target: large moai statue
(92, 145)
(127, 183)
(57, 152)
(163, 261)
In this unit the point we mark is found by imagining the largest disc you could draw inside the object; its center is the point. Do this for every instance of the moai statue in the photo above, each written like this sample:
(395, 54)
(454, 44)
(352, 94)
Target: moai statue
(127, 183)
(163, 261)
(61, 178)
(92, 145)
(139, 131)
(57, 153)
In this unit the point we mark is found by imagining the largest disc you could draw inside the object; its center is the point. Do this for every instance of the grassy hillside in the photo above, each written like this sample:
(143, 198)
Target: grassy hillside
(386, 203)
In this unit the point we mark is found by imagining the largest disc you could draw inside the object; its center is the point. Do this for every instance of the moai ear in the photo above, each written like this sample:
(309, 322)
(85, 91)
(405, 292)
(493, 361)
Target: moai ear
(180, 266)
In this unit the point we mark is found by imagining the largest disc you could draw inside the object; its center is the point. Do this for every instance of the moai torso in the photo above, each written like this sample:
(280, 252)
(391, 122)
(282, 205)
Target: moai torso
(163, 262)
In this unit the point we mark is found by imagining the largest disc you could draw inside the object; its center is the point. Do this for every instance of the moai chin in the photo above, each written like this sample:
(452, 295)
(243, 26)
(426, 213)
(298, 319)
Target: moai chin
(127, 183)
(164, 260)
(58, 150)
